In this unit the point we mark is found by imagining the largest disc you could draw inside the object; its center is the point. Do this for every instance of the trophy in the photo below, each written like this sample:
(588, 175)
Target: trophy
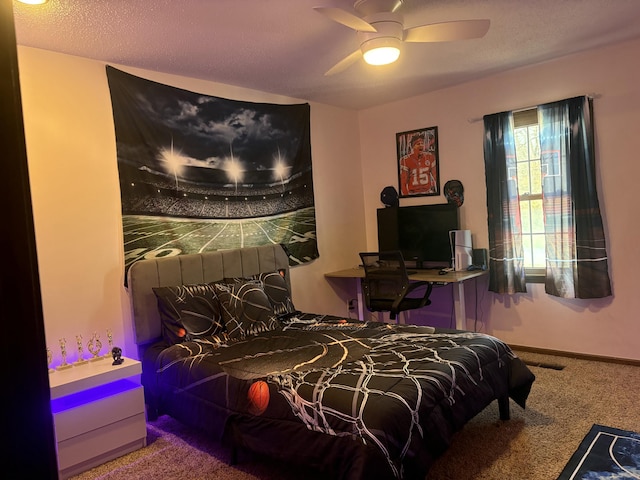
(110, 339)
(49, 358)
(81, 359)
(94, 346)
(63, 350)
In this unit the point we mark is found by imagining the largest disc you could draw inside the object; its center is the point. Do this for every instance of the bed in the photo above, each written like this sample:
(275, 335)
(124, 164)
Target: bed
(224, 350)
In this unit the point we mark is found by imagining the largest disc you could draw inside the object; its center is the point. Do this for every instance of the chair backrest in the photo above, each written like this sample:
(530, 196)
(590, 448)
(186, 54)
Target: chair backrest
(385, 276)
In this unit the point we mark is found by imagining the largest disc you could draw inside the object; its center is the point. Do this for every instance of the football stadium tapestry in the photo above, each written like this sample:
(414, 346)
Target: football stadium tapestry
(201, 173)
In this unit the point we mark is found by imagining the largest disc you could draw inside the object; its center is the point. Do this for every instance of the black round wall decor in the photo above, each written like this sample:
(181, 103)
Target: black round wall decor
(389, 197)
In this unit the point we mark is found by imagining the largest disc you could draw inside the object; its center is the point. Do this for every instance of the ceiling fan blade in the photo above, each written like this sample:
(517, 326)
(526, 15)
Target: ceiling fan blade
(447, 31)
(345, 18)
(345, 63)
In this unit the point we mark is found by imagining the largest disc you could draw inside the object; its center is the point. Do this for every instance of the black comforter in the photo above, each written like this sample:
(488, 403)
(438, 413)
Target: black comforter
(361, 400)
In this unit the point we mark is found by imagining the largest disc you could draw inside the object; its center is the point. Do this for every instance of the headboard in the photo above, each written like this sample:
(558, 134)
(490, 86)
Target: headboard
(191, 269)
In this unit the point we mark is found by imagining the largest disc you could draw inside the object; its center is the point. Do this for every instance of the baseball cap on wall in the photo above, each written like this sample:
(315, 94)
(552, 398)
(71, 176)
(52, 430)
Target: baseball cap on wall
(454, 192)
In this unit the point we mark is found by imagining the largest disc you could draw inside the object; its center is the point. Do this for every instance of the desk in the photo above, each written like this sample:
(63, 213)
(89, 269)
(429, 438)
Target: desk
(457, 278)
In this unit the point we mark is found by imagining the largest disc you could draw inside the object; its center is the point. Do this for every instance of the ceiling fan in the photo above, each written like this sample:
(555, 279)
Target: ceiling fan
(381, 31)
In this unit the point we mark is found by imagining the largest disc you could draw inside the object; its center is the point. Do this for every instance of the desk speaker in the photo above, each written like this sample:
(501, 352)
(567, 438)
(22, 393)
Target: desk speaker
(480, 258)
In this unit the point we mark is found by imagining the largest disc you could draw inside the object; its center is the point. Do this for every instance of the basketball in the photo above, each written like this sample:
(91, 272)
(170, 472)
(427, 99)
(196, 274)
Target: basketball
(258, 397)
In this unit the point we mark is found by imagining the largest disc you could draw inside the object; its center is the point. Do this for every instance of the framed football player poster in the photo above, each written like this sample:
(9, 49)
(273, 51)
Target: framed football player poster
(418, 172)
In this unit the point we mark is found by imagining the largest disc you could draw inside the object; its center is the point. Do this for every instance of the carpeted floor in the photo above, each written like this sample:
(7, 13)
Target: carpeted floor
(534, 445)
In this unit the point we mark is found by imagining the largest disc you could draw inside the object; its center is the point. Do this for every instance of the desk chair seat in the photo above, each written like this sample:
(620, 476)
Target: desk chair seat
(386, 286)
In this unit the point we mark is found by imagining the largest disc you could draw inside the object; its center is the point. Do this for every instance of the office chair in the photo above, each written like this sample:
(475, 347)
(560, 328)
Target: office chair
(386, 286)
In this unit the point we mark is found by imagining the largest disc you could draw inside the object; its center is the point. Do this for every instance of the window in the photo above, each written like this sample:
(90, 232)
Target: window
(528, 173)
(542, 203)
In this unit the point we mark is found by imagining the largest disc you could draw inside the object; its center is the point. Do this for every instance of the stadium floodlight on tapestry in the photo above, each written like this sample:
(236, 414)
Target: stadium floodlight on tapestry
(201, 173)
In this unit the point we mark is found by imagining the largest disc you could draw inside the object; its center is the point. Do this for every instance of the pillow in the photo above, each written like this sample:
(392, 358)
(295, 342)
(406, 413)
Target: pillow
(188, 312)
(246, 309)
(277, 290)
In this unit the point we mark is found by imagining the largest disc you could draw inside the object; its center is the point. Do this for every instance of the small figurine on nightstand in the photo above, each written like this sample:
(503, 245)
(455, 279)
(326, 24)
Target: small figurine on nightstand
(94, 347)
(81, 359)
(63, 350)
(116, 353)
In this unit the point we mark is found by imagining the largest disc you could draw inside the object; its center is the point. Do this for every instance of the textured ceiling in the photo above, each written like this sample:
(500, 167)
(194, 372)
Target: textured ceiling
(284, 46)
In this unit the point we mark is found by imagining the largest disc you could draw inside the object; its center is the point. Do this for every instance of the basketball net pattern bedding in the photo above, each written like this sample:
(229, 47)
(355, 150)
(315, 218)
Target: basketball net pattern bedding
(399, 390)
(355, 400)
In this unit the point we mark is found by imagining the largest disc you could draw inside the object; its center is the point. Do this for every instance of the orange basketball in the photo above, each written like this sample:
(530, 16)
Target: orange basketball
(258, 397)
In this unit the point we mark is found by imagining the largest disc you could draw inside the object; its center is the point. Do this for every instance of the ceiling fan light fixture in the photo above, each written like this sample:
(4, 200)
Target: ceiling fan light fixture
(381, 51)
(33, 2)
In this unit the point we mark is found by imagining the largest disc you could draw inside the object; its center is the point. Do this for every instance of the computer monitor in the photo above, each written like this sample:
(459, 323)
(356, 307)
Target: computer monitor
(420, 232)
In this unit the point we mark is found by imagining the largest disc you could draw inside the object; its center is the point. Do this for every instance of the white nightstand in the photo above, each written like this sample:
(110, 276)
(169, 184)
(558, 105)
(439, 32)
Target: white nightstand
(98, 413)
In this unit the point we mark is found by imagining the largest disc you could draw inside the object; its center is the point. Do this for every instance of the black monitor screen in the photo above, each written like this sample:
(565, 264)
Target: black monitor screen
(420, 232)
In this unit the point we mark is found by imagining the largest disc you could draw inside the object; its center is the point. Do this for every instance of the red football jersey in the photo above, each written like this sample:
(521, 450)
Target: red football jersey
(417, 173)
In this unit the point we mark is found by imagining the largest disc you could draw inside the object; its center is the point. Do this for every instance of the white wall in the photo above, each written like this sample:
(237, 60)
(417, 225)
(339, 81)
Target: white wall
(608, 327)
(76, 198)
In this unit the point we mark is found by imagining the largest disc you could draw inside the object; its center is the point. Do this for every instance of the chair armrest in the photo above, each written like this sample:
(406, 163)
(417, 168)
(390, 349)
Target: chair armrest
(415, 285)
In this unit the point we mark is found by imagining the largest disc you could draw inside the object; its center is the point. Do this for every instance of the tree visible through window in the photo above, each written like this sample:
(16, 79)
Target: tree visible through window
(529, 172)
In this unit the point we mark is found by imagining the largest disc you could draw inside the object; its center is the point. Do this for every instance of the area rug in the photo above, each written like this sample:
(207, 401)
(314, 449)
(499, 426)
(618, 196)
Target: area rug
(605, 453)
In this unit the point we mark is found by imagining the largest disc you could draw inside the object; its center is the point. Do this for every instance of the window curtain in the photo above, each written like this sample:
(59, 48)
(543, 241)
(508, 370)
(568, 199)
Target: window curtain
(576, 257)
(506, 259)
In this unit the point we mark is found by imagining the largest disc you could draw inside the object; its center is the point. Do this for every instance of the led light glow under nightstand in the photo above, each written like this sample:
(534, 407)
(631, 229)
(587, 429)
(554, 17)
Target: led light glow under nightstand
(90, 395)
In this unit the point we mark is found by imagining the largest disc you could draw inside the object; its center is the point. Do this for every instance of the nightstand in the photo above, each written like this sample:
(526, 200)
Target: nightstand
(98, 413)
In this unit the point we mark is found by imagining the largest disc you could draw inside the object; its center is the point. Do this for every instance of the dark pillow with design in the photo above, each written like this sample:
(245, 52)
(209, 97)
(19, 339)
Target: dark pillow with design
(189, 312)
(276, 288)
(246, 309)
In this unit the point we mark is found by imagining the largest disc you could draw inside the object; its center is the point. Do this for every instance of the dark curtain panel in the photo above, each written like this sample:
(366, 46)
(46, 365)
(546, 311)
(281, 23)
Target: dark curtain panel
(29, 449)
(577, 264)
(506, 259)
